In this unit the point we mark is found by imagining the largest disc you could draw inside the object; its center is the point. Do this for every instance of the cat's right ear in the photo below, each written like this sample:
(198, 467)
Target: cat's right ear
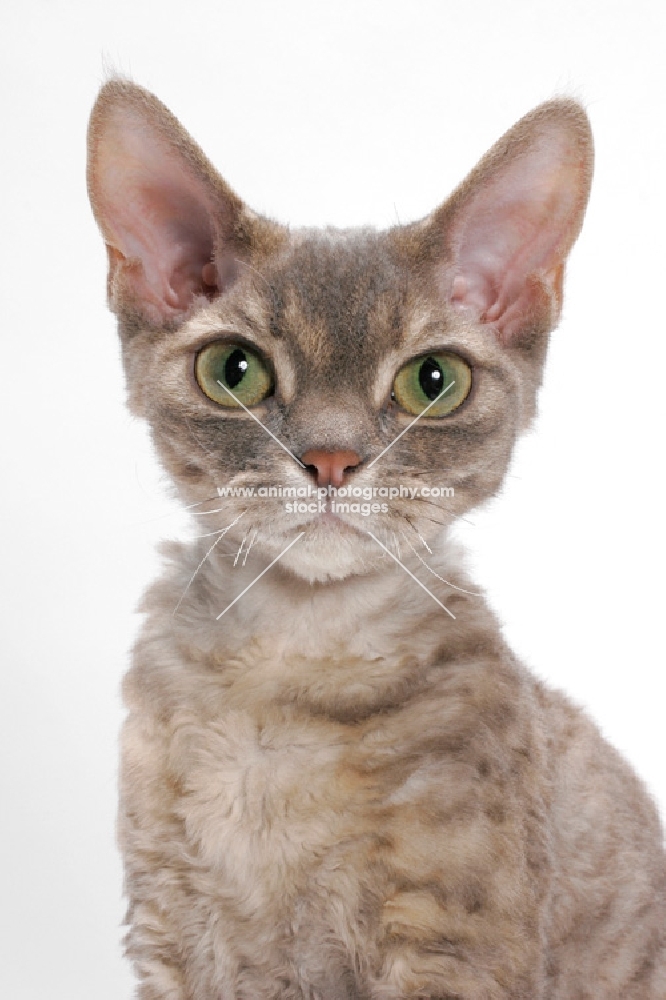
(173, 229)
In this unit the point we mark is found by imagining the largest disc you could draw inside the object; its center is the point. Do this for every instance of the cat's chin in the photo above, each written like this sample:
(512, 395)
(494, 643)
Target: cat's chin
(329, 549)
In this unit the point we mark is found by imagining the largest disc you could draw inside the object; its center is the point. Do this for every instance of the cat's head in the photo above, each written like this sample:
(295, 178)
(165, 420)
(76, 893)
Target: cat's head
(333, 341)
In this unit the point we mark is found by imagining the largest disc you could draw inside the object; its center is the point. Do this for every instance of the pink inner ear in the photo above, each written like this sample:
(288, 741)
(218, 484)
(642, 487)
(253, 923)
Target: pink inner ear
(512, 233)
(171, 234)
(156, 213)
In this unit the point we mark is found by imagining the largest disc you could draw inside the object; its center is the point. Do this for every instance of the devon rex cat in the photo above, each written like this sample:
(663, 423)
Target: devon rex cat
(337, 782)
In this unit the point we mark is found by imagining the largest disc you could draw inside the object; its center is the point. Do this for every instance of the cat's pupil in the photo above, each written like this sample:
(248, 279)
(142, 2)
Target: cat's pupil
(235, 368)
(431, 378)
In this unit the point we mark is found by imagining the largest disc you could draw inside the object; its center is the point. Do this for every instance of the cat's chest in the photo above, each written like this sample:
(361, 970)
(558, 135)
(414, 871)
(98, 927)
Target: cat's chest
(263, 800)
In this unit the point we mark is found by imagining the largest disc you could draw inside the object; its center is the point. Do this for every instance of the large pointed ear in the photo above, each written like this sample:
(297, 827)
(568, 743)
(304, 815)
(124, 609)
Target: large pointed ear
(170, 223)
(508, 228)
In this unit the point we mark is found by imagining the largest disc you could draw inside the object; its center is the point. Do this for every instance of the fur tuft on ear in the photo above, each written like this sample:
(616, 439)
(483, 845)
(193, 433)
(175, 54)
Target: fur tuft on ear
(170, 223)
(508, 228)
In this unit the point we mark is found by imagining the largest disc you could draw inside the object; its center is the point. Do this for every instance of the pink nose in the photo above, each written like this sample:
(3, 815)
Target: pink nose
(331, 465)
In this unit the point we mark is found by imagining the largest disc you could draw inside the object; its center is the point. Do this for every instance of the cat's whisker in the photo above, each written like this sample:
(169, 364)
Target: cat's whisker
(216, 510)
(411, 525)
(458, 517)
(444, 521)
(209, 534)
(448, 583)
(416, 475)
(222, 533)
(240, 548)
(252, 541)
(180, 509)
(409, 573)
(257, 578)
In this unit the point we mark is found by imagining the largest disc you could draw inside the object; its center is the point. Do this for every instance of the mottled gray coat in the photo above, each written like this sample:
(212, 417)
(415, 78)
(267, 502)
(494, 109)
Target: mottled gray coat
(337, 789)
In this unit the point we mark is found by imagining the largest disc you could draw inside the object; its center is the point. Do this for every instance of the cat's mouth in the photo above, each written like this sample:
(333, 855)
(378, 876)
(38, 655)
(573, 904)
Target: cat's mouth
(331, 522)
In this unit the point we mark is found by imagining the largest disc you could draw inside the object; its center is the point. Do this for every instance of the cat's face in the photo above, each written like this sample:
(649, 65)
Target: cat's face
(334, 342)
(332, 320)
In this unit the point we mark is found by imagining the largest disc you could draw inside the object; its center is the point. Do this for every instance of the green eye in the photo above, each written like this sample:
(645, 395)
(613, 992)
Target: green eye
(424, 379)
(231, 374)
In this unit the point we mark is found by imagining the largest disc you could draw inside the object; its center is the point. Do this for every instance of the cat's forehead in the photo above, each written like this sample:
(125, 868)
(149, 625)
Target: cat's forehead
(335, 290)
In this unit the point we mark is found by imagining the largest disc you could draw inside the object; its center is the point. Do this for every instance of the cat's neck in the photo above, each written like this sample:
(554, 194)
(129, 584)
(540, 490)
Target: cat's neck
(389, 595)
(355, 644)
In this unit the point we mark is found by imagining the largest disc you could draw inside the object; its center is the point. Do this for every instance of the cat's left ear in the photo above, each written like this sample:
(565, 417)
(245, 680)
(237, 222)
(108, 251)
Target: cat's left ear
(508, 228)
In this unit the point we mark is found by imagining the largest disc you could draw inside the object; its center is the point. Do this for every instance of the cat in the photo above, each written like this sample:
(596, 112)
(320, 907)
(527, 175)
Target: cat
(336, 779)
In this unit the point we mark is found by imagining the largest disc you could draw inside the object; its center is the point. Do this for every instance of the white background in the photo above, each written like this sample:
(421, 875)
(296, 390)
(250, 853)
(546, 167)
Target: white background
(344, 113)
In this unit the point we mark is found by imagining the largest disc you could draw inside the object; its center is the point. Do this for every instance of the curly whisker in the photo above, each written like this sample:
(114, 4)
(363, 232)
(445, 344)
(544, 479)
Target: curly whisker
(252, 541)
(462, 590)
(221, 535)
